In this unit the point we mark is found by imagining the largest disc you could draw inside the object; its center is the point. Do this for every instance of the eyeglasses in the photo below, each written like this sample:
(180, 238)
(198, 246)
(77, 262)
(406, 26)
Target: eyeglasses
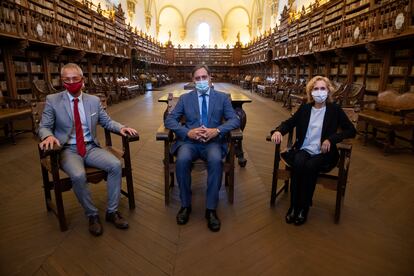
(72, 80)
(203, 77)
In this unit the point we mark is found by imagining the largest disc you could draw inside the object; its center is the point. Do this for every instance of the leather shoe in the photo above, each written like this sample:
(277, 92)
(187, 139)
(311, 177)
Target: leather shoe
(213, 222)
(290, 215)
(302, 216)
(117, 220)
(95, 226)
(183, 215)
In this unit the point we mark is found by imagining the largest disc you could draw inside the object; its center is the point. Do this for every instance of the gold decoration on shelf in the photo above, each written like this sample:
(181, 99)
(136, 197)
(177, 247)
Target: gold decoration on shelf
(131, 8)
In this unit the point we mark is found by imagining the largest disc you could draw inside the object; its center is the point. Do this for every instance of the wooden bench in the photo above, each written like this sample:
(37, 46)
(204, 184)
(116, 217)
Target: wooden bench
(392, 112)
(10, 111)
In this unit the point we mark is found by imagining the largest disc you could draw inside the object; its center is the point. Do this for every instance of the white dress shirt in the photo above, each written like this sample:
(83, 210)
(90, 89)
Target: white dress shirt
(86, 133)
(312, 142)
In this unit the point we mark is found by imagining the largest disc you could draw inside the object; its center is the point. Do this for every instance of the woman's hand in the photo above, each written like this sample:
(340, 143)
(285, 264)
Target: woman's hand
(276, 137)
(326, 146)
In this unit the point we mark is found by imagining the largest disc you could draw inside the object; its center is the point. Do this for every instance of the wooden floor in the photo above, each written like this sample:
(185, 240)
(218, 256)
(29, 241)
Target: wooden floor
(374, 237)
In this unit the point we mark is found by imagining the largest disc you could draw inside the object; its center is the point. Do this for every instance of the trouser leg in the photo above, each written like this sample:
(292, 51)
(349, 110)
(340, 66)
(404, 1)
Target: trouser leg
(212, 154)
(298, 179)
(99, 158)
(73, 164)
(186, 154)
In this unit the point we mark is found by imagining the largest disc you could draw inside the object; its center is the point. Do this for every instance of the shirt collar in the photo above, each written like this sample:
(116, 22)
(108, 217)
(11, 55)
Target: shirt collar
(207, 93)
(71, 98)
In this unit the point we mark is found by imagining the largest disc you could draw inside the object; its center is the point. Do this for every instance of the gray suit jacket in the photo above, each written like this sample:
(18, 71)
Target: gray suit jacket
(57, 117)
(219, 108)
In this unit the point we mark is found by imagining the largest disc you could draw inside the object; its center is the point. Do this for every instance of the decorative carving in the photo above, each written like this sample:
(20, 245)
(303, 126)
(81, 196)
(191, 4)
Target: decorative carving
(329, 40)
(89, 43)
(68, 38)
(356, 33)
(399, 21)
(131, 8)
(39, 30)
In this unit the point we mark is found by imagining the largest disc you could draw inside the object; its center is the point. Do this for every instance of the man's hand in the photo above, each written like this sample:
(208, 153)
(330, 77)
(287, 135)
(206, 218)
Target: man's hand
(127, 130)
(196, 133)
(326, 146)
(209, 133)
(277, 137)
(49, 142)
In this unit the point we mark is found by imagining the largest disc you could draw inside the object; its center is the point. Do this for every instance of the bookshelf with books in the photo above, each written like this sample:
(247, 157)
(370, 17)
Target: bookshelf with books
(400, 72)
(3, 77)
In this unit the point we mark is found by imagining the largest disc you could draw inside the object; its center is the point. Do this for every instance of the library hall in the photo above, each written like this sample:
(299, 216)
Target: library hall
(237, 137)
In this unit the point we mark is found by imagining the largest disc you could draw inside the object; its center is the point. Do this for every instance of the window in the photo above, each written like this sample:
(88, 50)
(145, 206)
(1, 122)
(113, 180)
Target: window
(204, 34)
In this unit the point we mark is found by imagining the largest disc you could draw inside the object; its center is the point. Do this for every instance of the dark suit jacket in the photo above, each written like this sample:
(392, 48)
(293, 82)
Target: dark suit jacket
(219, 108)
(335, 118)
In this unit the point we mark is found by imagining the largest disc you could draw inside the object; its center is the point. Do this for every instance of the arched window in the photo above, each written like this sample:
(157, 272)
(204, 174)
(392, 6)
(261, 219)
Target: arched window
(204, 34)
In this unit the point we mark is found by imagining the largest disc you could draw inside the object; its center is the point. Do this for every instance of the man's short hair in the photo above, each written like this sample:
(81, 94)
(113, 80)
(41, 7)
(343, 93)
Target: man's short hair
(198, 67)
(71, 66)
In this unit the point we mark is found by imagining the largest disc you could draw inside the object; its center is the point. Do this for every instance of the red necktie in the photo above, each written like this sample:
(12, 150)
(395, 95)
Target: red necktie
(80, 142)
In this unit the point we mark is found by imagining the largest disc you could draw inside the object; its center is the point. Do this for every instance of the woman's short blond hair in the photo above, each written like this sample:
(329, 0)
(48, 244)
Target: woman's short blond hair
(311, 84)
(71, 66)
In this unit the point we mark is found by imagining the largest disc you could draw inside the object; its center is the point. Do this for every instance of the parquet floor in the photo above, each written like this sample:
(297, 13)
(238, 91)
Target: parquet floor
(374, 236)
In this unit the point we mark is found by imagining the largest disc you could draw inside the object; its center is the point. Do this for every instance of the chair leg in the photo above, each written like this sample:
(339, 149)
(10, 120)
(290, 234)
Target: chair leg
(275, 174)
(60, 212)
(46, 188)
(231, 186)
(130, 188)
(366, 134)
(167, 177)
(338, 202)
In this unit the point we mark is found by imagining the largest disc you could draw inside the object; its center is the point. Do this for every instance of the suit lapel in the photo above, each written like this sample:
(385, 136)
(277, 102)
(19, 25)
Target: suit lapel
(326, 118)
(196, 107)
(66, 103)
(210, 104)
(88, 111)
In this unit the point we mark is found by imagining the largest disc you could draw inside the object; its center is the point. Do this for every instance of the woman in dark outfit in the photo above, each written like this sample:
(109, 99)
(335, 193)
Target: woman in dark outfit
(314, 151)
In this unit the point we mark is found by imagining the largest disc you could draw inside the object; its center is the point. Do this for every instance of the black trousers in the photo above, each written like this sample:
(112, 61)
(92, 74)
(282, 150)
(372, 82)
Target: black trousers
(305, 170)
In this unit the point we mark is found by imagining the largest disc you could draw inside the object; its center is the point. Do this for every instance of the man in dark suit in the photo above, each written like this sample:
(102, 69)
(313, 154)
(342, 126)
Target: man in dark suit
(70, 119)
(202, 136)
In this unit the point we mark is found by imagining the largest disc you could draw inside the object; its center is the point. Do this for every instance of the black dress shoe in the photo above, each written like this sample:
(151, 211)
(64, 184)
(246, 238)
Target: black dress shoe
(117, 219)
(213, 222)
(290, 215)
(95, 226)
(183, 215)
(302, 216)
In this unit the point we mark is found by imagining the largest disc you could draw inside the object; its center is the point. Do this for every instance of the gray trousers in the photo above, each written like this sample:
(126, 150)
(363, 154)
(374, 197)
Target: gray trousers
(74, 165)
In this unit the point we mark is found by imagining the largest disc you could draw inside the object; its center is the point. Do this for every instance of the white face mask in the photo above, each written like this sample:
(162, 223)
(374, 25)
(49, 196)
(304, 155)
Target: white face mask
(319, 96)
(202, 86)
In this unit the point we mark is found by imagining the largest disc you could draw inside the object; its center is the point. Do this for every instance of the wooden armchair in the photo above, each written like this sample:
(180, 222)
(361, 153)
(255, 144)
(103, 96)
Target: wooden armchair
(166, 135)
(55, 179)
(335, 180)
(41, 89)
(393, 112)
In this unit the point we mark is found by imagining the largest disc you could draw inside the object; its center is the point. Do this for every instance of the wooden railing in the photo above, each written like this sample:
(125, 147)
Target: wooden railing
(377, 24)
(105, 36)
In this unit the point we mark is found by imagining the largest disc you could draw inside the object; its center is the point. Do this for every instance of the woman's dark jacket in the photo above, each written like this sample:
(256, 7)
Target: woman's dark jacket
(334, 119)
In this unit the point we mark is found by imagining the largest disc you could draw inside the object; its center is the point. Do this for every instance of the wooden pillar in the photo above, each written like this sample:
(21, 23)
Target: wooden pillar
(10, 72)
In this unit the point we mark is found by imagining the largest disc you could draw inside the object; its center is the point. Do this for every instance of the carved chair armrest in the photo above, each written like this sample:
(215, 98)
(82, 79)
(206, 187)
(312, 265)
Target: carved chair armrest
(49, 152)
(345, 145)
(236, 135)
(127, 138)
(163, 134)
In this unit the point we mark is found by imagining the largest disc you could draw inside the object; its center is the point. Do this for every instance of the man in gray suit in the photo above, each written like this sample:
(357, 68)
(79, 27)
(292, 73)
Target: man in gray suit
(202, 136)
(69, 120)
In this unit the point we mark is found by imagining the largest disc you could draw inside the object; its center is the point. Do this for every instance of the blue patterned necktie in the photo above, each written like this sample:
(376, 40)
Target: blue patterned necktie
(204, 111)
